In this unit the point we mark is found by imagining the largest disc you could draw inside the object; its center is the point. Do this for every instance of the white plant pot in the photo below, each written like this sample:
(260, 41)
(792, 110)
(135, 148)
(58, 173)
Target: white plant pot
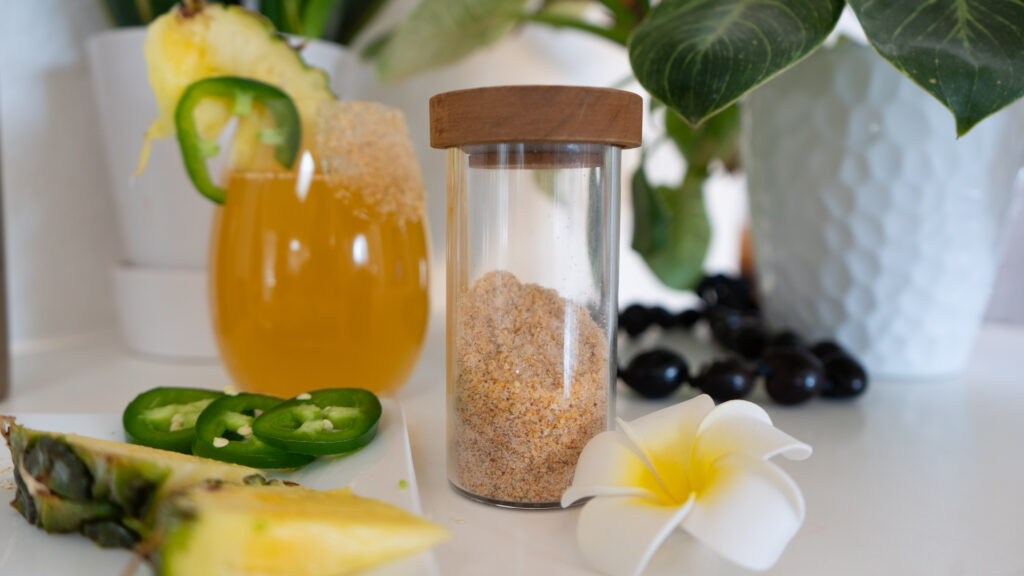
(872, 223)
(164, 223)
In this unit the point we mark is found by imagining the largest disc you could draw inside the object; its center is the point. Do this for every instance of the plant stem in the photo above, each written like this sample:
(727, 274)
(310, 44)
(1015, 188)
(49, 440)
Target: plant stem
(617, 35)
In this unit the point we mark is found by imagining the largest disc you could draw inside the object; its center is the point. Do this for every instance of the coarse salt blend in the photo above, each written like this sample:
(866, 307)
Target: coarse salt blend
(533, 235)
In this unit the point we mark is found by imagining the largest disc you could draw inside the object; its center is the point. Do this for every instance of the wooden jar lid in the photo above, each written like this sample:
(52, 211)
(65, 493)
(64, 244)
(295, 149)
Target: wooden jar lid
(536, 114)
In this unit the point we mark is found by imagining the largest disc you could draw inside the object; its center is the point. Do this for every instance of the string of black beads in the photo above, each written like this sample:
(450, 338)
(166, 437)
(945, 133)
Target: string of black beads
(793, 372)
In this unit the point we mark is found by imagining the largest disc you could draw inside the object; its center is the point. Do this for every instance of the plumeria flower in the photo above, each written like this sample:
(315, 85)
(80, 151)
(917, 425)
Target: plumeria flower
(694, 466)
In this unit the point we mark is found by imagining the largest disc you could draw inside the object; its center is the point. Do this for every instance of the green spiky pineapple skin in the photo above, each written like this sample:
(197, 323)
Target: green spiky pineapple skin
(121, 483)
(115, 490)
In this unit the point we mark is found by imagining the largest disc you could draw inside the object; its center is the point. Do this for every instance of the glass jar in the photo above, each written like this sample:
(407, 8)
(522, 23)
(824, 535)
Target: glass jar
(318, 274)
(532, 264)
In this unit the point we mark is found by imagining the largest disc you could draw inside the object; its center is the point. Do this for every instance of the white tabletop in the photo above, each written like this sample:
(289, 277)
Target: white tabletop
(912, 478)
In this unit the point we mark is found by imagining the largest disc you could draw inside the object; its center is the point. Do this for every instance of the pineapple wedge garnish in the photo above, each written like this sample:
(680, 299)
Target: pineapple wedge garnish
(193, 516)
(107, 490)
(195, 41)
(285, 531)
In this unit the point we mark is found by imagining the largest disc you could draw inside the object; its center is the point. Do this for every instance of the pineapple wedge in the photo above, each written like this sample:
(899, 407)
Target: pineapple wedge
(107, 490)
(195, 41)
(232, 530)
(193, 516)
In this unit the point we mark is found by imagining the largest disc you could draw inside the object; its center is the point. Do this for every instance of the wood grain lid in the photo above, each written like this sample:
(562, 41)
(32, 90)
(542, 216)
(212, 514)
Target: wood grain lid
(536, 114)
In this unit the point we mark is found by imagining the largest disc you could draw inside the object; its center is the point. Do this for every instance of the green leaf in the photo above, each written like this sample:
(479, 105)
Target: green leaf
(717, 138)
(670, 229)
(700, 56)
(316, 16)
(373, 48)
(440, 32)
(284, 14)
(650, 215)
(967, 53)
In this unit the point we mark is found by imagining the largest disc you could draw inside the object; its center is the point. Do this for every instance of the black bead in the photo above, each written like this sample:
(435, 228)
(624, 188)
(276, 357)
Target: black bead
(751, 340)
(725, 325)
(688, 318)
(787, 339)
(712, 288)
(726, 379)
(656, 373)
(844, 377)
(826, 348)
(658, 316)
(721, 290)
(794, 375)
(634, 320)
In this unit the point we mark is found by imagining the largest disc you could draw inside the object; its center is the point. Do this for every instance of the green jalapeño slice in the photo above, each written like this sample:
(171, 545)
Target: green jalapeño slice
(165, 417)
(224, 432)
(285, 136)
(329, 421)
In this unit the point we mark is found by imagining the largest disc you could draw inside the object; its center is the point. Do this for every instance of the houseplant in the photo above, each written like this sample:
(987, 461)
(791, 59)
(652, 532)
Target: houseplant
(699, 57)
(164, 229)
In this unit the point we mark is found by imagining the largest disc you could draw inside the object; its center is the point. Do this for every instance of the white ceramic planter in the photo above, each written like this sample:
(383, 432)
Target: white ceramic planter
(872, 223)
(164, 223)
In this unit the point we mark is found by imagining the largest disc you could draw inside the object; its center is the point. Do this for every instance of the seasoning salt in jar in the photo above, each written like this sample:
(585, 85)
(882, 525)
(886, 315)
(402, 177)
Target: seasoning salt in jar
(533, 232)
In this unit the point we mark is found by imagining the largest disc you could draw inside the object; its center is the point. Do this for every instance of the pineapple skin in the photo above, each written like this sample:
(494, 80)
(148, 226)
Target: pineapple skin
(278, 531)
(86, 480)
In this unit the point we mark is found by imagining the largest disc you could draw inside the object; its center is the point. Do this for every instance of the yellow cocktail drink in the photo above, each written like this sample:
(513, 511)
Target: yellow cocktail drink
(314, 286)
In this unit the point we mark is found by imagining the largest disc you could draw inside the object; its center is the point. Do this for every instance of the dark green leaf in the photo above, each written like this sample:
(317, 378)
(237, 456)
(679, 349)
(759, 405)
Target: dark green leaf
(440, 32)
(670, 229)
(700, 56)
(967, 53)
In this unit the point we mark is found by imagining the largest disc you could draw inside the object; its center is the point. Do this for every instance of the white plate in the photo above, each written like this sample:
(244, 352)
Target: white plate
(376, 471)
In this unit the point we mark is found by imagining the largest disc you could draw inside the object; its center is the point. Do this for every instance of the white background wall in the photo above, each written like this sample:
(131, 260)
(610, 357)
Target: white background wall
(58, 216)
(59, 219)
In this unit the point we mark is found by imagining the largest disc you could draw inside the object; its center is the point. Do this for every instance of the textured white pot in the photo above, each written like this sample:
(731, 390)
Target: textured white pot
(164, 223)
(872, 223)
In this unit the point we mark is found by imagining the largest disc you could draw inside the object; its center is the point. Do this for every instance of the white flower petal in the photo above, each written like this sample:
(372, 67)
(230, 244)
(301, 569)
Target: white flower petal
(666, 438)
(740, 427)
(610, 465)
(749, 511)
(618, 535)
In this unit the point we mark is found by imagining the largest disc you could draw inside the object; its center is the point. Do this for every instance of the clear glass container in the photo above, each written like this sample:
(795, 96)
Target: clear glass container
(318, 274)
(532, 264)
